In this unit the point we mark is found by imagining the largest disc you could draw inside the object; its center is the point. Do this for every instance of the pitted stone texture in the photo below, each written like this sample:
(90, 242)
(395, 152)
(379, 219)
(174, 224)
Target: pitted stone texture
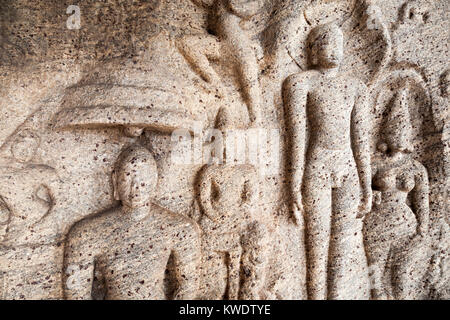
(120, 178)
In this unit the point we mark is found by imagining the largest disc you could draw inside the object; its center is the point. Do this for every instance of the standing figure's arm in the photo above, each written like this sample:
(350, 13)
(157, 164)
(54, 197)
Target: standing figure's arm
(360, 130)
(255, 246)
(420, 199)
(79, 263)
(187, 256)
(295, 93)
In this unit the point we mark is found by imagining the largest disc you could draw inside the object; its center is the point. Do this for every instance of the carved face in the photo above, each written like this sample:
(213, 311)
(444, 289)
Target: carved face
(25, 145)
(228, 190)
(398, 141)
(326, 46)
(135, 178)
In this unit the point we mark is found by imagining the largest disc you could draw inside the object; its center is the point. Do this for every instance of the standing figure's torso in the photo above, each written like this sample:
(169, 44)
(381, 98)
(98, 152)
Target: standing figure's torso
(330, 104)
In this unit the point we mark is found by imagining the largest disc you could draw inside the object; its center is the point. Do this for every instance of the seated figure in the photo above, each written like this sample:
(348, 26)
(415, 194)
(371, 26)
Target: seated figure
(126, 250)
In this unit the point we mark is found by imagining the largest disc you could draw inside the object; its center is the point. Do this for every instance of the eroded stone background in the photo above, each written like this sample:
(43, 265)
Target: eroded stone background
(134, 43)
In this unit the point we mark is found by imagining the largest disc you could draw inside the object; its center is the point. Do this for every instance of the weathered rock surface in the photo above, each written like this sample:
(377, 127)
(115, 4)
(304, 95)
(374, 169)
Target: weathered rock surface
(224, 149)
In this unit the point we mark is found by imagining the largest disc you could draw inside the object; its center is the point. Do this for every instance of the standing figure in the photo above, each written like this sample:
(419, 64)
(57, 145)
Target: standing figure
(232, 233)
(231, 41)
(330, 166)
(126, 250)
(392, 224)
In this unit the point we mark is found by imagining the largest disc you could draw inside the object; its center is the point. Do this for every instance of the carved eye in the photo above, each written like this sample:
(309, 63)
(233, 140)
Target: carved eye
(5, 212)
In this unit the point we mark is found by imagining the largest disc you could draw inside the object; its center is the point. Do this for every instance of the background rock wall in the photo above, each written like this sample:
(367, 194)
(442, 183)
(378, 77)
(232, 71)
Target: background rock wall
(40, 58)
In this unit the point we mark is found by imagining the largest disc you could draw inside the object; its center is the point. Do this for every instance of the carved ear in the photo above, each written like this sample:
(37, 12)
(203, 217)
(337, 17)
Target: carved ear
(5, 212)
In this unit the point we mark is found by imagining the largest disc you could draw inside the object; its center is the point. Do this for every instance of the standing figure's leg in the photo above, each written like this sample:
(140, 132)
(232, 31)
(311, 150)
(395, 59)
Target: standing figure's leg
(248, 71)
(214, 275)
(317, 205)
(197, 50)
(348, 271)
(246, 62)
(234, 265)
(377, 244)
(3, 286)
(377, 260)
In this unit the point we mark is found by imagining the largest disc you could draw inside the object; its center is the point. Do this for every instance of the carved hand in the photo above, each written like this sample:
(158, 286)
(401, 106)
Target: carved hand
(297, 209)
(366, 204)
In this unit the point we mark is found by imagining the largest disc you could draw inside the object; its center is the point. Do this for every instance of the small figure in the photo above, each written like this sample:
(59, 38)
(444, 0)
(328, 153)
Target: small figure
(128, 248)
(330, 167)
(229, 39)
(29, 250)
(392, 224)
(415, 11)
(232, 233)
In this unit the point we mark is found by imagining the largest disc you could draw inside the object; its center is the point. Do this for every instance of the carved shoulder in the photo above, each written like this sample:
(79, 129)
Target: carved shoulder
(88, 233)
(180, 226)
(299, 80)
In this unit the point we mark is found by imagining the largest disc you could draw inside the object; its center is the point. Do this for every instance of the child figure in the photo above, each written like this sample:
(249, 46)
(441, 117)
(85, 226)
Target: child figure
(231, 233)
(225, 17)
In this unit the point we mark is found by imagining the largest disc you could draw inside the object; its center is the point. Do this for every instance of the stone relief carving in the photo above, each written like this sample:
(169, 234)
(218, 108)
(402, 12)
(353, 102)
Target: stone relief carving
(93, 204)
(392, 230)
(233, 232)
(231, 41)
(329, 173)
(144, 236)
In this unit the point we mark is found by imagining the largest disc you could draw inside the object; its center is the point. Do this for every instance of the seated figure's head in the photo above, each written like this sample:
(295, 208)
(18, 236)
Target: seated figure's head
(134, 176)
(326, 46)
